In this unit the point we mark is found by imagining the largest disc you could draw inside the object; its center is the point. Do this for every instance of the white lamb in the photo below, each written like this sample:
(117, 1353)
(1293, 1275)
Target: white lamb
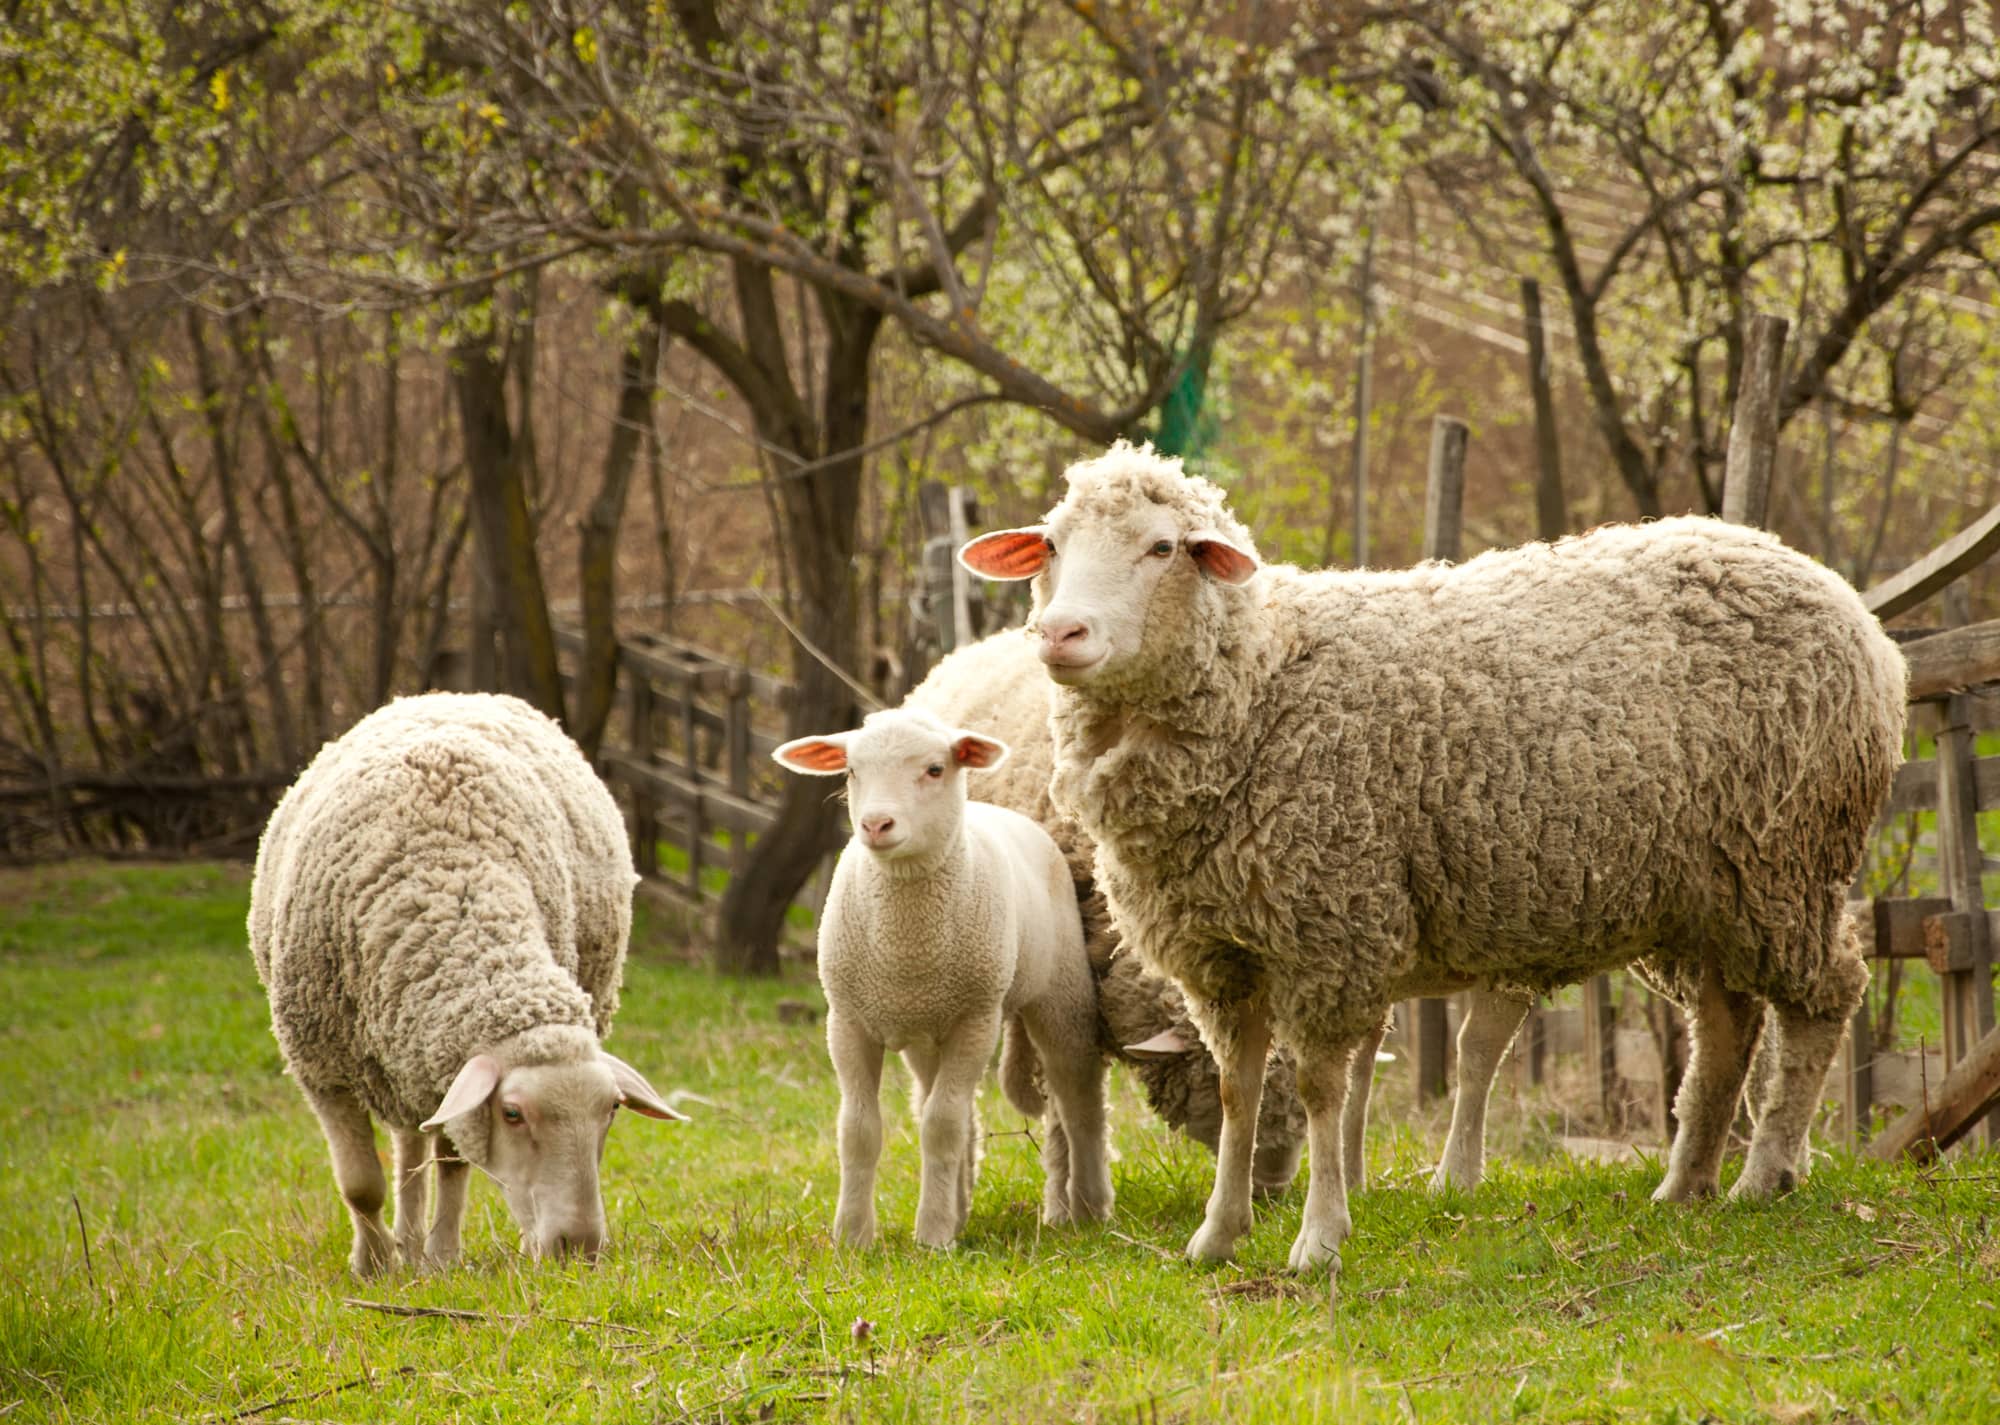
(439, 915)
(946, 919)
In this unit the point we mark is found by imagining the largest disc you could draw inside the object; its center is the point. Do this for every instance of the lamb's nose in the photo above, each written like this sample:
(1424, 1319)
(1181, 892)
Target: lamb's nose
(877, 826)
(1057, 632)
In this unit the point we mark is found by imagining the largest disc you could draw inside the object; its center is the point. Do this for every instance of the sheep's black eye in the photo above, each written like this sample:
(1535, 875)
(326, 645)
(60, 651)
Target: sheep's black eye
(510, 1113)
(1052, 546)
(936, 769)
(1162, 548)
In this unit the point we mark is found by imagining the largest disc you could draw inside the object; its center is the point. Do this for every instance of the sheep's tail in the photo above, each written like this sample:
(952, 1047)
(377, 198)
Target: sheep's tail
(1021, 1070)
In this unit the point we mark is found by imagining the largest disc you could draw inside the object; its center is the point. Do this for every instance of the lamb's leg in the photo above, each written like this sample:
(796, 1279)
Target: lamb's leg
(1065, 1036)
(1055, 1168)
(358, 1173)
(948, 1128)
(1724, 1036)
(1806, 1046)
(454, 1175)
(857, 1064)
(1239, 1035)
(1323, 1087)
(922, 1060)
(1492, 1019)
(1354, 1114)
(413, 1153)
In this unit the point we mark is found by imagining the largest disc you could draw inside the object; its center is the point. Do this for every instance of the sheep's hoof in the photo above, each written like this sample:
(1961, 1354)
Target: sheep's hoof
(1758, 1183)
(371, 1258)
(1212, 1244)
(1676, 1190)
(858, 1233)
(938, 1239)
(1445, 1182)
(1316, 1247)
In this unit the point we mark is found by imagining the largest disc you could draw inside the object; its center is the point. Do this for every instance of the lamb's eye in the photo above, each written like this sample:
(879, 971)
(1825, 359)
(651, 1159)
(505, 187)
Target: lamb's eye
(510, 1113)
(1052, 547)
(1162, 548)
(934, 771)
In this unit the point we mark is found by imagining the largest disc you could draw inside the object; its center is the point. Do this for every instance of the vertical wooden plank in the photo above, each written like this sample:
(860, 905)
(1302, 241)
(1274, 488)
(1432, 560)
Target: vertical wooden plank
(1444, 499)
(1444, 495)
(645, 810)
(1753, 428)
(1968, 993)
(1364, 397)
(1857, 1065)
(1535, 1045)
(736, 733)
(1600, 1048)
(1551, 510)
(693, 809)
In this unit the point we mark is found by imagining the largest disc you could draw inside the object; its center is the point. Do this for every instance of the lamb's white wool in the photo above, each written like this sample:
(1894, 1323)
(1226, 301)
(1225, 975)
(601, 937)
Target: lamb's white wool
(1315, 794)
(439, 914)
(947, 919)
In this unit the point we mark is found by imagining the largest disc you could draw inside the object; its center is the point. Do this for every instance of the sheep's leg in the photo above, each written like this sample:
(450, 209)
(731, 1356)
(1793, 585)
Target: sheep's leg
(454, 1176)
(1055, 1168)
(1724, 1036)
(922, 1060)
(413, 1154)
(1073, 1069)
(1323, 1087)
(1239, 1035)
(1806, 1046)
(857, 1064)
(350, 1136)
(948, 1128)
(1354, 1113)
(1492, 1019)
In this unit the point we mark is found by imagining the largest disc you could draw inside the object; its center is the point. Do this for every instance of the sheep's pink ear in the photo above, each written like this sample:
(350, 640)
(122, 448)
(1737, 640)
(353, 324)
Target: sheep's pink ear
(638, 1095)
(816, 756)
(1007, 553)
(1161, 1045)
(972, 749)
(1219, 559)
(473, 1086)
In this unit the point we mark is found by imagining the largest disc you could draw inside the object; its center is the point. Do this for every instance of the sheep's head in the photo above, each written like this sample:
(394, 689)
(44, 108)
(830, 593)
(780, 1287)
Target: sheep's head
(1126, 567)
(539, 1130)
(905, 778)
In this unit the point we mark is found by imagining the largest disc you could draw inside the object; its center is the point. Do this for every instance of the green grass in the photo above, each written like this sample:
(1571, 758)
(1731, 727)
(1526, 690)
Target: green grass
(146, 1112)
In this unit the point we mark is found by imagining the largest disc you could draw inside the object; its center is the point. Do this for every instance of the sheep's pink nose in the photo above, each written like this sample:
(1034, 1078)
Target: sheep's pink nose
(1056, 633)
(877, 827)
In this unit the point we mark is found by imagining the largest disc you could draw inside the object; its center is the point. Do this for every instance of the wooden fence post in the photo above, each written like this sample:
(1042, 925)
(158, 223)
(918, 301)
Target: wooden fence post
(645, 809)
(1600, 1048)
(1968, 991)
(1753, 428)
(1444, 501)
(736, 734)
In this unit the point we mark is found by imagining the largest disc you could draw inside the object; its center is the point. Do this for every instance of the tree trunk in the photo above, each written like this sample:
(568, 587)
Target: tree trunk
(597, 678)
(820, 511)
(503, 531)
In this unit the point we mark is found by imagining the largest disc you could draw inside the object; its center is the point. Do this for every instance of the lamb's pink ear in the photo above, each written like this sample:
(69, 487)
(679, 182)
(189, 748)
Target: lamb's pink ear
(638, 1095)
(1161, 1045)
(1220, 559)
(1007, 553)
(473, 1086)
(975, 750)
(816, 756)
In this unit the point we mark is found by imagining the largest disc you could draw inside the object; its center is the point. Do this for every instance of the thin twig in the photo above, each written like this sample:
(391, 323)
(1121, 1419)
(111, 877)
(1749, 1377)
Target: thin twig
(873, 703)
(1154, 1248)
(454, 1313)
(367, 1379)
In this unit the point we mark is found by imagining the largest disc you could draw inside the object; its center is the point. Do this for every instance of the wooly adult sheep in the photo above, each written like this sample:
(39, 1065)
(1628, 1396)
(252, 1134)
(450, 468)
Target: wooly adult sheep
(947, 919)
(1142, 1019)
(439, 914)
(1315, 794)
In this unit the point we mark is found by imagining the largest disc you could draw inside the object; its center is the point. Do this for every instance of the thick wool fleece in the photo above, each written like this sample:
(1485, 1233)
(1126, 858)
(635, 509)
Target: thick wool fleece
(1340, 788)
(998, 686)
(447, 875)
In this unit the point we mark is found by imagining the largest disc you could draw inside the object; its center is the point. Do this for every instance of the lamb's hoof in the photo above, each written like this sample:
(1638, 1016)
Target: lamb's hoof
(858, 1233)
(1090, 1209)
(1212, 1243)
(1316, 1247)
(938, 1236)
(1758, 1184)
(1446, 1183)
(1678, 1190)
(1055, 1213)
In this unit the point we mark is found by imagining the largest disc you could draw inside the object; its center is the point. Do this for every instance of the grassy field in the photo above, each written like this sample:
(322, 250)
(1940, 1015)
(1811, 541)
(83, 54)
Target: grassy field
(173, 1249)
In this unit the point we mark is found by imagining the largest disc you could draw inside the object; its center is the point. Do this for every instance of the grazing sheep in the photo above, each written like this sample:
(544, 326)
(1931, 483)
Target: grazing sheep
(1315, 794)
(439, 914)
(947, 919)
